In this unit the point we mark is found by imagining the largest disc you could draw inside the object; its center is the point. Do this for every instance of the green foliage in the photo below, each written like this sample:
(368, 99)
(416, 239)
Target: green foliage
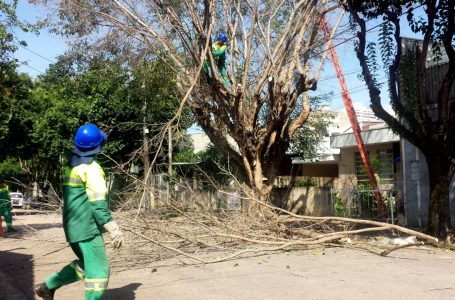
(386, 43)
(186, 155)
(39, 120)
(340, 208)
(210, 162)
(306, 140)
(14, 87)
(376, 165)
(372, 63)
(409, 76)
(365, 199)
(8, 22)
(105, 94)
(383, 10)
(307, 182)
(215, 163)
(10, 167)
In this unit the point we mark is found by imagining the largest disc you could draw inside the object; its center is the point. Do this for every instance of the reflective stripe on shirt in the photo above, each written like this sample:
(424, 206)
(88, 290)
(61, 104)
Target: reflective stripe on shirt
(91, 177)
(216, 47)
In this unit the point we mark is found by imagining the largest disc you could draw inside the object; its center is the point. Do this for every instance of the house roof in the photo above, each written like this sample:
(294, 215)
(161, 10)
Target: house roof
(370, 137)
(433, 58)
(320, 159)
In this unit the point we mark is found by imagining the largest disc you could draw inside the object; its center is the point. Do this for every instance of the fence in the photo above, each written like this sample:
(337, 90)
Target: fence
(313, 201)
(186, 192)
(361, 203)
(352, 203)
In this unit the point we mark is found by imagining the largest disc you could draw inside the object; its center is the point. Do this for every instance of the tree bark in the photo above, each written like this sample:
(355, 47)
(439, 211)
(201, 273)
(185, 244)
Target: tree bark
(439, 220)
(435, 138)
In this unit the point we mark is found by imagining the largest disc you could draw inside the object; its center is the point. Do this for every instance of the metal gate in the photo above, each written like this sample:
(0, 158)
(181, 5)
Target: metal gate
(361, 203)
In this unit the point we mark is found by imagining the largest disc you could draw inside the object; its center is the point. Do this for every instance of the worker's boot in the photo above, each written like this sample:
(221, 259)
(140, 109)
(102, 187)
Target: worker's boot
(44, 292)
(10, 229)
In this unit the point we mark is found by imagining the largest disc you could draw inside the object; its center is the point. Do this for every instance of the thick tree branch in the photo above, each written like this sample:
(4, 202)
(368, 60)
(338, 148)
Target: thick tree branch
(449, 78)
(374, 92)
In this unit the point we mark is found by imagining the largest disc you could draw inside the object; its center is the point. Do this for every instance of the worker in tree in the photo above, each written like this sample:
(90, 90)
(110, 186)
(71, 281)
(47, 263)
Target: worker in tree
(5, 206)
(219, 49)
(85, 214)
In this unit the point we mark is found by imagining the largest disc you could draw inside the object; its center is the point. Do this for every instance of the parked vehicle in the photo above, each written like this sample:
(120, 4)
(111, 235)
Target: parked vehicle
(17, 199)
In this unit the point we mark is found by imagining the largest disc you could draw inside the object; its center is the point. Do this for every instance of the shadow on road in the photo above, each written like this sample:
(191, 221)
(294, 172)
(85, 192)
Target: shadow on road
(37, 226)
(126, 292)
(16, 276)
(23, 212)
(23, 229)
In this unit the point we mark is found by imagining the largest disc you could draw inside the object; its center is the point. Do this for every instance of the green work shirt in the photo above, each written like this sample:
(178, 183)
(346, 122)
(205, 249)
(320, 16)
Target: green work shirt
(219, 52)
(85, 208)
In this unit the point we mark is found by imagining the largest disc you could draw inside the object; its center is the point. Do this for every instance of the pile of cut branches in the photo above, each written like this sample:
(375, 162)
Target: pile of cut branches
(195, 234)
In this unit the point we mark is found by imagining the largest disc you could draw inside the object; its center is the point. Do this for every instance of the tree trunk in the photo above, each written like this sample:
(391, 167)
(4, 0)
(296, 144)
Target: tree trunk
(439, 221)
(260, 187)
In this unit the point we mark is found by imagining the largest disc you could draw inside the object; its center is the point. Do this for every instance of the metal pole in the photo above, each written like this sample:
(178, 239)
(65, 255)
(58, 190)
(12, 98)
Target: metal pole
(169, 148)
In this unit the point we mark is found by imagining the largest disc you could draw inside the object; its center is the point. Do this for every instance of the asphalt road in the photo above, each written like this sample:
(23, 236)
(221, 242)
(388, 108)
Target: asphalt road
(39, 249)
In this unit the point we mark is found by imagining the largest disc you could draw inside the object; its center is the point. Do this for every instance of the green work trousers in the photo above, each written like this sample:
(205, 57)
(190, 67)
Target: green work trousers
(92, 266)
(5, 211)
(221, 67)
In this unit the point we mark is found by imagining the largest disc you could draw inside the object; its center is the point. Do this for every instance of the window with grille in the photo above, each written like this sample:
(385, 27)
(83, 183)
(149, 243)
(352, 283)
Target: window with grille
(382, 164)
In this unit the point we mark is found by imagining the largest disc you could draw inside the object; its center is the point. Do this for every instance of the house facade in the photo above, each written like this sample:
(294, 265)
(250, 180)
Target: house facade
(383, 149)
(401, 169)
(415, 171)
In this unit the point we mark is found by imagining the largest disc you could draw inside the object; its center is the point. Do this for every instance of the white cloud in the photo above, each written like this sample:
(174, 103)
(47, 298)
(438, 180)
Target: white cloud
(360, 106)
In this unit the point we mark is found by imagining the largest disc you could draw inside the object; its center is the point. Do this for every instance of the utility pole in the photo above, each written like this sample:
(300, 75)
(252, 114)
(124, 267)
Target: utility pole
(145, 132)
(169, 149)
(145, 150)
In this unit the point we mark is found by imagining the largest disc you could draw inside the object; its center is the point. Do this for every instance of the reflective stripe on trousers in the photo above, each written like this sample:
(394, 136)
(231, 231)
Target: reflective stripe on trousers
(79, 271)
(96, 284)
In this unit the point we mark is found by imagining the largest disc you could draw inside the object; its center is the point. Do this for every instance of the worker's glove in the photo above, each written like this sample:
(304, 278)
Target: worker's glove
(115, 233)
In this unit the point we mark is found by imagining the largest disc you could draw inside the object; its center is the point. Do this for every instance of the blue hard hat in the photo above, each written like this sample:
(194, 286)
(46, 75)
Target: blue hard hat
(89, 140)
(222, 37)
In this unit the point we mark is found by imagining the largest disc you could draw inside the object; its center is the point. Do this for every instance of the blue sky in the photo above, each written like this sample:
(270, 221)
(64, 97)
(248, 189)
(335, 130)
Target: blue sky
(44, 48)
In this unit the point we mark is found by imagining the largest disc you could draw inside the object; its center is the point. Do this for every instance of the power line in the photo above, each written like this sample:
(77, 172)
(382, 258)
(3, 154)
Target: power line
(41, 72)
(357, 89)
(335, 76)
(322, 79)
(354, 36)
(36, 53)
(354, 90)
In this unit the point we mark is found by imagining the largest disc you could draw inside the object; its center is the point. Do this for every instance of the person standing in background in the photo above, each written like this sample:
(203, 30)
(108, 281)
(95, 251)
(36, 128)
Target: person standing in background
(5, 206)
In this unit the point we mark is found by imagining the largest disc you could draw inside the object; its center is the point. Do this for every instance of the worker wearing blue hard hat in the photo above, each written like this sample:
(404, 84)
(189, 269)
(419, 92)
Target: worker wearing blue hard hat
(85, 215)
(219, 49)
